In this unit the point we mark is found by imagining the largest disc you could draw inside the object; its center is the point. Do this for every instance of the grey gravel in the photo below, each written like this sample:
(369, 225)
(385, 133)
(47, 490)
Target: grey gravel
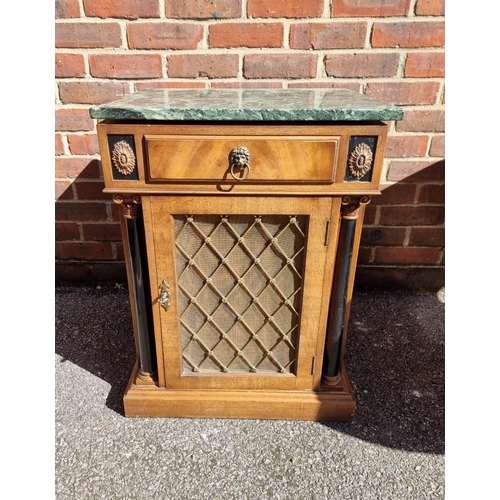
(394, 449)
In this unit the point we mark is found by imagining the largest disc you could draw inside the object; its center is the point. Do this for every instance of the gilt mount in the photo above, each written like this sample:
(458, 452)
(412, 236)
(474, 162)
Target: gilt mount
(240, 159)
(123, 158)
(350, 206)
(130, 205)
(360, 160)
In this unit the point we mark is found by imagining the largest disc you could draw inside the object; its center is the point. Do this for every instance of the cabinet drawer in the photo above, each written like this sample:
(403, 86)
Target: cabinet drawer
(271, 159)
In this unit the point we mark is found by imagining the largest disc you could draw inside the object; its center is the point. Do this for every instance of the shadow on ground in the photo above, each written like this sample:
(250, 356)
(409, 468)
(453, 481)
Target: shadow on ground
(94, 331)
(395, 358)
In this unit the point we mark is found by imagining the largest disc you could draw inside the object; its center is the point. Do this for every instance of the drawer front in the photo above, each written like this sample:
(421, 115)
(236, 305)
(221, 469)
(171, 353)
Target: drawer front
(264, 159)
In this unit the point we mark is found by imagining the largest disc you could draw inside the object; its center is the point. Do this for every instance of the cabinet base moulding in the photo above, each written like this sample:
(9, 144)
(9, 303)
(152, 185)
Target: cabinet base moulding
(327, 404)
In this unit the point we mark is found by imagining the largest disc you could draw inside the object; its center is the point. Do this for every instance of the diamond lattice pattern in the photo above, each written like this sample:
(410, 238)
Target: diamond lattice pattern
(240, 281)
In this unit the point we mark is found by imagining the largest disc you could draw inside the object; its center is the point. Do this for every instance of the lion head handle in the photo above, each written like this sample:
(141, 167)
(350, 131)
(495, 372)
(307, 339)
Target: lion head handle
(240, 158)
(240, 163)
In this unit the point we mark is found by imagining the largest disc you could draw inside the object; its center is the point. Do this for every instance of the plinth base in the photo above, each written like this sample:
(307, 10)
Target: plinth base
(329, 403)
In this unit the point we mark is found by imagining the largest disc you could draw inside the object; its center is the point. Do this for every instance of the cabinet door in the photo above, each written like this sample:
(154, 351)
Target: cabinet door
(248, 280)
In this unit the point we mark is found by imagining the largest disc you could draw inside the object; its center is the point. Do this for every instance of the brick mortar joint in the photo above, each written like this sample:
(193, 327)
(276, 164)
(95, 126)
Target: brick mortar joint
(78, 180)
(412, 159)
(287, 31)
(162, 8)
(406, 239)
(430, 135)
(79, 157)
(331, 51)
(244, 19)
(73, 106)
(89, 79)
(411, 9)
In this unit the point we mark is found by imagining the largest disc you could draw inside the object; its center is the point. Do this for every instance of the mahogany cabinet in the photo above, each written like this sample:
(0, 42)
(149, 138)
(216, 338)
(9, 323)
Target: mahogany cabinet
(241, 219)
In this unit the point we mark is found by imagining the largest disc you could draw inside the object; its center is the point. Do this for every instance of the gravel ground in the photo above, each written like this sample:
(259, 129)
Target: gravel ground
(394, 449)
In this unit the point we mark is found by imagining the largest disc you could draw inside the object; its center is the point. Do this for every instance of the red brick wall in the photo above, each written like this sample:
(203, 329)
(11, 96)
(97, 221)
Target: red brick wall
(389, 49)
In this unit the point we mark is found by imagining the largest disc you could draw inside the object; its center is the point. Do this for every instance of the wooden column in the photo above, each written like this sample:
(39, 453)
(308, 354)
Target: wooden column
(135, 254)
(338, 312)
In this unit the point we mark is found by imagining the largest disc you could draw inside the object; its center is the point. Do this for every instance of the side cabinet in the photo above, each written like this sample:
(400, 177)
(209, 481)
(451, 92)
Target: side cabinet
(241, 242)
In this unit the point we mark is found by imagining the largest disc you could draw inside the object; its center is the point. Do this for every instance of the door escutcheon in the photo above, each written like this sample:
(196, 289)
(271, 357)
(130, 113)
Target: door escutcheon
(165, 298)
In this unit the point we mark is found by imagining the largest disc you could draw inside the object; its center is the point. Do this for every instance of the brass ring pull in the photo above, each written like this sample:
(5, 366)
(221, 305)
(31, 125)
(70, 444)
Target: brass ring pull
(240, 160)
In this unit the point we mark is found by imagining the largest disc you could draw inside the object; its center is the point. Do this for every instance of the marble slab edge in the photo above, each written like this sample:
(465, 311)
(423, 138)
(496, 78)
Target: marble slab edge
(347, 114)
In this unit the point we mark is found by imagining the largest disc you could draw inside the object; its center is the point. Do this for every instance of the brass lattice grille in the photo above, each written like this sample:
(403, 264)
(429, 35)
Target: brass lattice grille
(240, 281)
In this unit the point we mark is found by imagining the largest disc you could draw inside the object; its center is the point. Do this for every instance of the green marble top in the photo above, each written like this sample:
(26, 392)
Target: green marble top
(247, 105)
